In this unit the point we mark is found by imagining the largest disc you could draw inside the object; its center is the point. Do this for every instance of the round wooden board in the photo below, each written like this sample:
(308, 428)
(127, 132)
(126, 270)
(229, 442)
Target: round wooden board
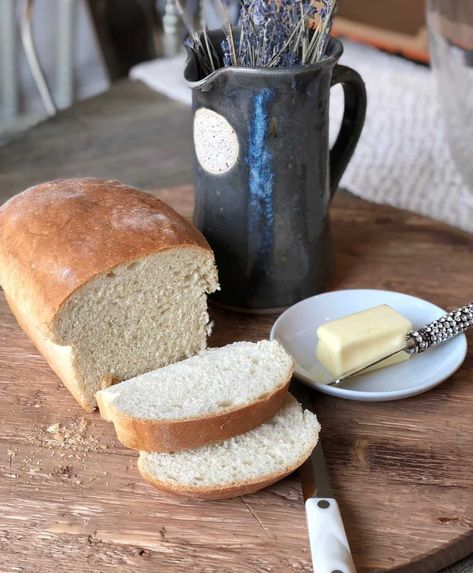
(402, 471)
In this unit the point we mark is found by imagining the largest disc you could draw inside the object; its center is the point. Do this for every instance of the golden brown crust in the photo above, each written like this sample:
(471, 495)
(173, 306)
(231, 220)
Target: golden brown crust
(226, 492)
(56, 236)
(175, 435)
(58, 357)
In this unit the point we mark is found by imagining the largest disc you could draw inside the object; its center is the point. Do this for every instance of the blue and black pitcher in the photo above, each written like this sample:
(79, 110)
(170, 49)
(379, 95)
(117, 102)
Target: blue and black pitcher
(264, 174)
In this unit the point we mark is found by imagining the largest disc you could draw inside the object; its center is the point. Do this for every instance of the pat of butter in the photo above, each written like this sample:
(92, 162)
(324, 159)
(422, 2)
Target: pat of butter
(356, 340)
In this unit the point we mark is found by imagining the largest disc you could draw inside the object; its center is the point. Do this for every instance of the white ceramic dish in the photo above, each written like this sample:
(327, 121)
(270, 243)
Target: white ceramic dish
(296, 330)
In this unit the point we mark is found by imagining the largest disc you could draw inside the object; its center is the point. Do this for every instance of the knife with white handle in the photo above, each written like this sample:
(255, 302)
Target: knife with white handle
(328, 541)
(444, 328)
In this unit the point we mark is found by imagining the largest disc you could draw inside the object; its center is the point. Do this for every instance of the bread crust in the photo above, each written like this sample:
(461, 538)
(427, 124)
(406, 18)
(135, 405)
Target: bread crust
(176, 435)
(226, 492)
(57, 236)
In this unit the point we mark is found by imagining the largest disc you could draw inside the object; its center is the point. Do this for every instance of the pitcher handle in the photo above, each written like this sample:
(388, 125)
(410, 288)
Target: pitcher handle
(352, 122)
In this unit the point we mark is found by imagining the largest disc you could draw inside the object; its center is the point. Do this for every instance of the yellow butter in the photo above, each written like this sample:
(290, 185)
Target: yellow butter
(356, 340)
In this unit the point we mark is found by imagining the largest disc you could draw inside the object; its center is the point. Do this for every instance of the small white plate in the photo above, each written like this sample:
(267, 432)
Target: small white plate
(296, 330)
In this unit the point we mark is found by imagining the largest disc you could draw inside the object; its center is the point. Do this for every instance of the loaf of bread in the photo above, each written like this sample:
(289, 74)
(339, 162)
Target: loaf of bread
(240, 465)
(107, 281)
(210, 397)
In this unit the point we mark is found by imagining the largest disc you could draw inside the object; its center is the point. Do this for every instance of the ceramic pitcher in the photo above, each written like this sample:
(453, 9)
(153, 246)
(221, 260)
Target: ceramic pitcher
(264, 174)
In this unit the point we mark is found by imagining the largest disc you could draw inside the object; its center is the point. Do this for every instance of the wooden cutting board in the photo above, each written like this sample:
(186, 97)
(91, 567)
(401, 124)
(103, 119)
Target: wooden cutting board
(71, 497)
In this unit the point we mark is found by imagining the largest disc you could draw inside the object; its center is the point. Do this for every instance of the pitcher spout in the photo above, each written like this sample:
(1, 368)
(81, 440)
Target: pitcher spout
(197, 75)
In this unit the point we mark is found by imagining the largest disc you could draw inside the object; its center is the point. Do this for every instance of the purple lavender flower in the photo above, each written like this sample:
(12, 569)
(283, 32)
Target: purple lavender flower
(226, 52)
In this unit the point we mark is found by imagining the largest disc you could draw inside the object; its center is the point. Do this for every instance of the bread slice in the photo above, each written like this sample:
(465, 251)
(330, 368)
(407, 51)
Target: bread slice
(210, 397)
(241, 465)
(108, 282)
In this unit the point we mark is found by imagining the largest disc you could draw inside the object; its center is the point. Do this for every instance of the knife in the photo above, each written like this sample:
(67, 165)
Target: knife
(328, 541)
(444, 328)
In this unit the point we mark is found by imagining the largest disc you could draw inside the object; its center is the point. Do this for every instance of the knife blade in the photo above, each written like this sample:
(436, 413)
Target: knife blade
(328, 541)
(313, 472)
(313, 475)
(407, 349)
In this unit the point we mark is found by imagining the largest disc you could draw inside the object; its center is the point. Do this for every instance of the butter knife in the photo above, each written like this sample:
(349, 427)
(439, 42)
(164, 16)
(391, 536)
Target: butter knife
(444, 328)
(329, 546)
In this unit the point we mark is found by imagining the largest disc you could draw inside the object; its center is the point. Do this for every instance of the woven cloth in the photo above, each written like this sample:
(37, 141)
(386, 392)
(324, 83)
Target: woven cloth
(402, 158)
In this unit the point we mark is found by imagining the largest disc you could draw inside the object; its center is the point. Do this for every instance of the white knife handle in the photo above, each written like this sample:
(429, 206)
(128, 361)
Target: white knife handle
(328, 540)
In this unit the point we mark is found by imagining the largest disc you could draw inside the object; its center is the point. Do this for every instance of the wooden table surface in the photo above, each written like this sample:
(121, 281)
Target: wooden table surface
(70, 495)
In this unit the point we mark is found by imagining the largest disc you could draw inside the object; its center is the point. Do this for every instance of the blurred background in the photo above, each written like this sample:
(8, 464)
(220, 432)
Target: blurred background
(415, 56)
(56, 52)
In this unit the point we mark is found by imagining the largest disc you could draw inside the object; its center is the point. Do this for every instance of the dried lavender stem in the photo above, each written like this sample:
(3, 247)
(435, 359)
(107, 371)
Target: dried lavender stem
(311, 49)
(232, 44)
(228, 25)
(291, 37)
(298, 40)
(207, 45)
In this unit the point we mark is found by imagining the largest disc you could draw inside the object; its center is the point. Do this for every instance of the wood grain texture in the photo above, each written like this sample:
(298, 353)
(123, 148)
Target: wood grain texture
(402, 471)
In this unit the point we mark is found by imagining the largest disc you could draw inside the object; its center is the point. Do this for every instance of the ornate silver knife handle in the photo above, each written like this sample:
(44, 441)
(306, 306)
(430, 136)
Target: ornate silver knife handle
(440, 330)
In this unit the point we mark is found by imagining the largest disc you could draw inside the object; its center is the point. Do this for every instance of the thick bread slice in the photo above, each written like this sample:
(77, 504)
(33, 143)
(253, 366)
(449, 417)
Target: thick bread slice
(241, 465)
(210, 397)
(108, 282)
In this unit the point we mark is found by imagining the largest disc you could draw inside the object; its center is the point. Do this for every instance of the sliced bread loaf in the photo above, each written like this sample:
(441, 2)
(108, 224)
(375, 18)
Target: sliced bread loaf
(241, 465)
(210, 397)
(108, 281)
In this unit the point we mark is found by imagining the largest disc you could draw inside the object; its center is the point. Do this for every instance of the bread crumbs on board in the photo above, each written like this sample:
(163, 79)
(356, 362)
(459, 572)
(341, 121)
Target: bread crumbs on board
(66, 441)
(69, 439)
(69, 435)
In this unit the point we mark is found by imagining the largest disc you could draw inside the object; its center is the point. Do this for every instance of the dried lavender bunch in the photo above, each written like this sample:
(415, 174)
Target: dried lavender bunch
(273, 33)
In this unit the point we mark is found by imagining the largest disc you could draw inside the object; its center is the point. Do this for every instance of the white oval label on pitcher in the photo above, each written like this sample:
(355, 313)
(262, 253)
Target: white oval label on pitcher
(215, 141)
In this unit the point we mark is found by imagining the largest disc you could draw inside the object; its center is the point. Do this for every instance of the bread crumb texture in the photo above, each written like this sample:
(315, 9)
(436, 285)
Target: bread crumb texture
(212, 382)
